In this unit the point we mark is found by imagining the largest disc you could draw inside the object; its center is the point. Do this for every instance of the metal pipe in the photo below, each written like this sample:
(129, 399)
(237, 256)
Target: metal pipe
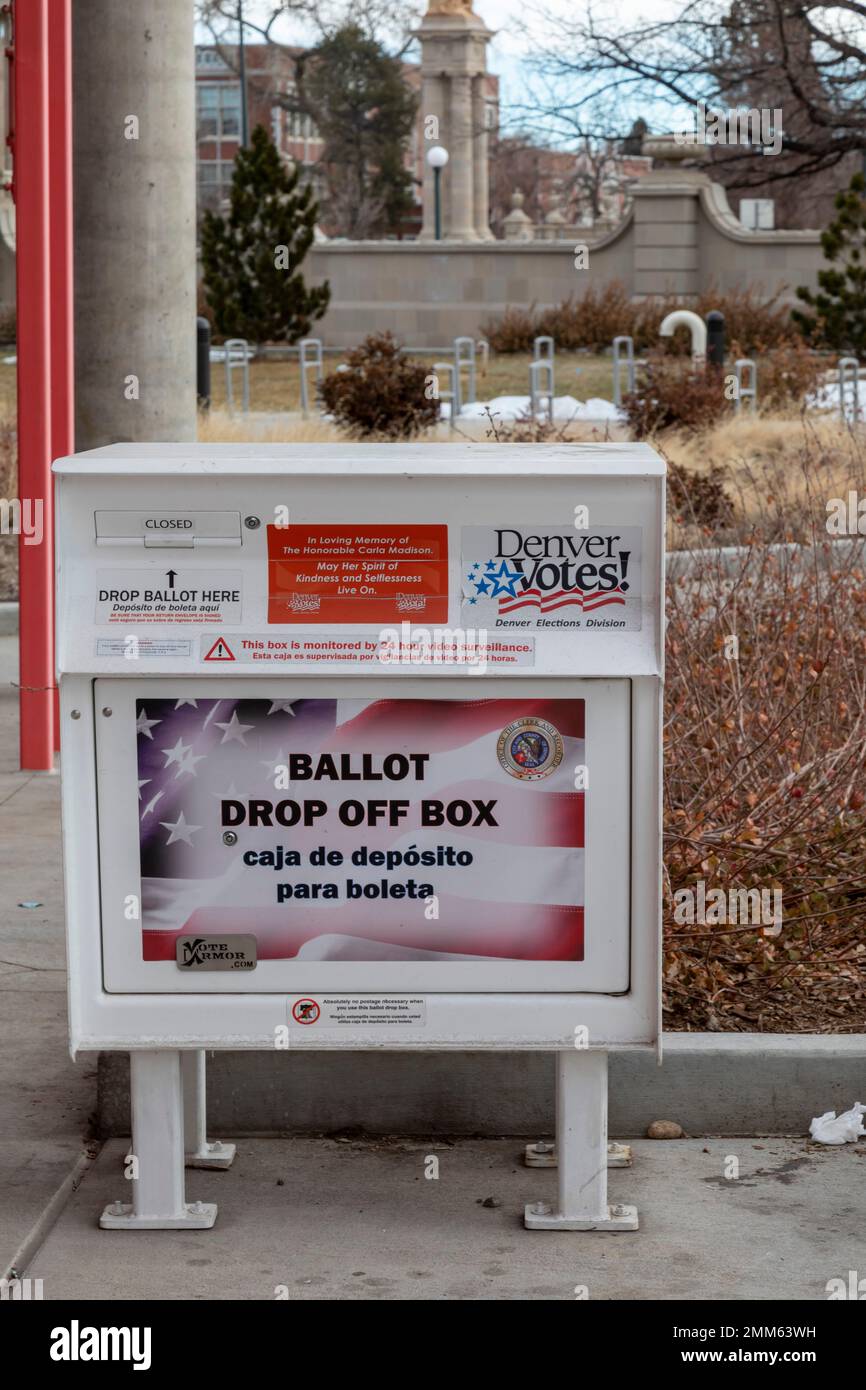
(35, 285)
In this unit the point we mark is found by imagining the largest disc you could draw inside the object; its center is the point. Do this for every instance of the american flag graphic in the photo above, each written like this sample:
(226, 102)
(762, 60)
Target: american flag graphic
(512, 590)
(521, 896)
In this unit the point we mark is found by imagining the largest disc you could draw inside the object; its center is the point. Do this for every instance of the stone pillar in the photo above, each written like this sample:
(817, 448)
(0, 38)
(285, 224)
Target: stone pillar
(667, 222)
(461, 223)
(481, 157)
(134, 186)
(453, 62)
(434, 102)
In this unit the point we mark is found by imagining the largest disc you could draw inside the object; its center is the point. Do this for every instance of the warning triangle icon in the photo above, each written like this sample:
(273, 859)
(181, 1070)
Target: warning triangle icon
(220, 651)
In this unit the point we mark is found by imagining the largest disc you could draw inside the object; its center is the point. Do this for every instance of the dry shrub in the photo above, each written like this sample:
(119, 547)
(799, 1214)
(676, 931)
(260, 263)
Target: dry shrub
(592, 320)
(787, 374)
(752, 320)
(764, 765)
(699, 499)
(513, 331)
(378, 393)
(673, 395)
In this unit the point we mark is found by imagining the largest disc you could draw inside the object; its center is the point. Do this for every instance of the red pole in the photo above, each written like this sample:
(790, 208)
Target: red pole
(31, 192)
(60, 308)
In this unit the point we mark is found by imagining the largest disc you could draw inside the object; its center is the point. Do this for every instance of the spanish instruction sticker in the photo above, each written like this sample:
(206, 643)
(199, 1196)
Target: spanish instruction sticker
(136, 648)
(357, 574)
(168, 596)
(552, 578)
(405, 646)
(360, 1011)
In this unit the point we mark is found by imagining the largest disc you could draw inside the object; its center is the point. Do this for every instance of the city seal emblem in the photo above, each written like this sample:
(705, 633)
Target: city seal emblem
(530, 749)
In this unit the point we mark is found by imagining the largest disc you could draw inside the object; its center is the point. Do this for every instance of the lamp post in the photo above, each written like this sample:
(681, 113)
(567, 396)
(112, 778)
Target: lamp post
(437, 158)
(242, 70)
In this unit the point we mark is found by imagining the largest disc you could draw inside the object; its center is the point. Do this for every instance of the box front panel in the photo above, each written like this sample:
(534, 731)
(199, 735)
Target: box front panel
(328, 835)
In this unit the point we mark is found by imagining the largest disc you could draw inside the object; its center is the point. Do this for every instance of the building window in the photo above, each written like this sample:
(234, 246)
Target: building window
(218, 110)
(214, 182)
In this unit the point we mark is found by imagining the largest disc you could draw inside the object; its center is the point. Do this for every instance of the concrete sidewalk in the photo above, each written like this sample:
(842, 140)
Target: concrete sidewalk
(45, 1100)
(307, 1218)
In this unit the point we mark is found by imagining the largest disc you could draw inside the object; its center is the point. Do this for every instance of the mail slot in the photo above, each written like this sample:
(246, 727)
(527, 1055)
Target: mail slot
(384, 772)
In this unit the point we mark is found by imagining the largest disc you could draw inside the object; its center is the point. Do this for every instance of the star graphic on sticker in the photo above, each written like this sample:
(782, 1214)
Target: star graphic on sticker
(274, 764)
(481, 586)
(150, 805)
(284, 706)
(177, 753)
(504, 581)
(179, 830)
(144, 725)
(180, 703)
(231, 795)
(143, 783)
(234, 730)
(491, 565)
(187, 766)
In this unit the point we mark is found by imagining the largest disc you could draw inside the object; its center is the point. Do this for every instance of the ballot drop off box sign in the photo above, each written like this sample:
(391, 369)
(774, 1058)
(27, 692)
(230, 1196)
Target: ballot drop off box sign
(361, 749)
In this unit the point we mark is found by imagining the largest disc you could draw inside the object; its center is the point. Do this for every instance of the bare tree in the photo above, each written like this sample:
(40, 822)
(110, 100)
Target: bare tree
(353, 205)
(805, 57)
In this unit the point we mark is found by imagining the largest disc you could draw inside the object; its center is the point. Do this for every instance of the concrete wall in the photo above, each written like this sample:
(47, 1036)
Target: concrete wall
(679, 236)
(427, 297)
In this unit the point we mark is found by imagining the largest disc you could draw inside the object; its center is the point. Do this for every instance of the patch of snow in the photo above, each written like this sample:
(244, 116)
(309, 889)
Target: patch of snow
(565, 408)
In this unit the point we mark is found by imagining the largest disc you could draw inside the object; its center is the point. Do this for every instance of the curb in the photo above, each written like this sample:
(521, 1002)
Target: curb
(710, 1083)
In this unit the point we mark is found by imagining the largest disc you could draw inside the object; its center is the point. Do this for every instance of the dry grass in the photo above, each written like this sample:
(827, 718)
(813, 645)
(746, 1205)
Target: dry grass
(776, 468)
(275, 385)
(218, 427)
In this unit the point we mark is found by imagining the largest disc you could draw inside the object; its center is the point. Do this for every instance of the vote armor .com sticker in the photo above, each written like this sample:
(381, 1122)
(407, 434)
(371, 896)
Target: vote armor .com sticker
(168, 596)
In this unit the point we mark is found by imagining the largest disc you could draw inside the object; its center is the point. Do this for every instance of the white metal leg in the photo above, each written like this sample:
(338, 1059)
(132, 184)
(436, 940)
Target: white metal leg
(581, 1148)
(199, 1153)
(158, 1201)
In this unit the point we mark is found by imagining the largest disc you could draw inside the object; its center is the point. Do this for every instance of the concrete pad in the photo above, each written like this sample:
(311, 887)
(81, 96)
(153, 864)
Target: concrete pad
(324, 1219)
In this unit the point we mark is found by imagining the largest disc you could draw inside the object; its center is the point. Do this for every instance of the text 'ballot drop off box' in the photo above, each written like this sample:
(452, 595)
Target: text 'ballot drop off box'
(361, 749)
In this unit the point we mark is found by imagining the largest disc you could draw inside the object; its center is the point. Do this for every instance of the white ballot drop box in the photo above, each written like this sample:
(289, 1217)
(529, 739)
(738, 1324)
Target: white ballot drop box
(361, 748)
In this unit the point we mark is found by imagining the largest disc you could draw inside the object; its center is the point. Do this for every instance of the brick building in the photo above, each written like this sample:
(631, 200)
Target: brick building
(270, 76)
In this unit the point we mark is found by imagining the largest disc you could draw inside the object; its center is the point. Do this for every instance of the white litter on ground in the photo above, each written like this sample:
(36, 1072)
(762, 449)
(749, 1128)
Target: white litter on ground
(831, 1128)
(518, 407)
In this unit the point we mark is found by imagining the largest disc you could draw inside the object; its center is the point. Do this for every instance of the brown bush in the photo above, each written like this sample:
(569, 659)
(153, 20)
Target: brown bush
(592, 320)
(670, 394)
(513, 331)
(787, 374)
(378, 392)
(765, 746)
(698, 498)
